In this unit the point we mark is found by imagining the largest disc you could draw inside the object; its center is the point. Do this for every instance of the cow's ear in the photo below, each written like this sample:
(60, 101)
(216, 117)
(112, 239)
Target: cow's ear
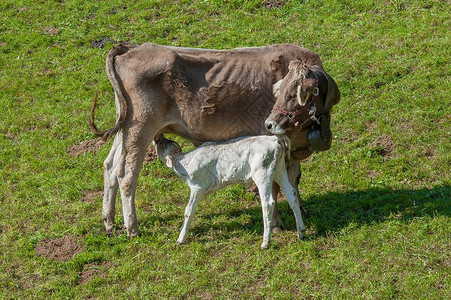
(276, 88)
(333, 93)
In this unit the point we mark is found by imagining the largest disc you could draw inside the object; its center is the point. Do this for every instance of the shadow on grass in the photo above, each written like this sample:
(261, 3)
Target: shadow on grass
(330, 212)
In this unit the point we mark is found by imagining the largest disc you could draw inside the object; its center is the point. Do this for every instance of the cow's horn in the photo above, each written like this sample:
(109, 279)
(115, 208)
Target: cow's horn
(298, 95)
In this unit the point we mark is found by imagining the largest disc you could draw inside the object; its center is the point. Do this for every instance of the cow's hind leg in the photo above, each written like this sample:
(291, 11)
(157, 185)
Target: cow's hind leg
(110, 165)
(136, 139)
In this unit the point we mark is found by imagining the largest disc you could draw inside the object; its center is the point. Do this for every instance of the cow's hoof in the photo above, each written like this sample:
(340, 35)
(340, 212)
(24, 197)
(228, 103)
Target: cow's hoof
(276, 230)
(265, 245)
(180, 242)
(132, 233)
(109, 226)
(277, 226)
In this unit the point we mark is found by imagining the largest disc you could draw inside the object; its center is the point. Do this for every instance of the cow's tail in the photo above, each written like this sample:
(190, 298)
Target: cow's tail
(286, 146)
(121, 103)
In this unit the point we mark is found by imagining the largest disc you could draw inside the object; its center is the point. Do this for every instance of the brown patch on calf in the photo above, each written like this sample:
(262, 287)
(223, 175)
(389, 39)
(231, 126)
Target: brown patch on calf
(60, 249)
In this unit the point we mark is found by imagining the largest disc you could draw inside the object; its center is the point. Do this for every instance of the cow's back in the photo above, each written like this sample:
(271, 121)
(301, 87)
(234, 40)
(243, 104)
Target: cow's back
(209, 94)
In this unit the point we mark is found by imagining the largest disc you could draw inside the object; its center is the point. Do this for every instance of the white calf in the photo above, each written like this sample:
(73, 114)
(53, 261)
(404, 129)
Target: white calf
(215, 165)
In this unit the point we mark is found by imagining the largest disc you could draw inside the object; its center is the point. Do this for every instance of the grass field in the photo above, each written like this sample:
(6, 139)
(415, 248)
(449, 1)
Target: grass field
(379, 201)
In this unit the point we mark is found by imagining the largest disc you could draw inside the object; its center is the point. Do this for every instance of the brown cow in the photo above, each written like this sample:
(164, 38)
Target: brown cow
(304, 99)
(198, 94)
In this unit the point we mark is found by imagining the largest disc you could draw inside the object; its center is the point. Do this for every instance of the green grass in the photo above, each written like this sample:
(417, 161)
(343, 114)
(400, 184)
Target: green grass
(379, 201)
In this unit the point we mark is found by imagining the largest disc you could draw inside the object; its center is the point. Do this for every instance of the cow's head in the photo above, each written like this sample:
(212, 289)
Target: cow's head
(304, 98)
(166, 149)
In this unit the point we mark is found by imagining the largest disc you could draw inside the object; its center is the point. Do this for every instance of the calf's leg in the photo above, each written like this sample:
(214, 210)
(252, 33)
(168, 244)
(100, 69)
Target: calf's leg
(294, 174)
(264, 184)
(292, 197)
(194, 198)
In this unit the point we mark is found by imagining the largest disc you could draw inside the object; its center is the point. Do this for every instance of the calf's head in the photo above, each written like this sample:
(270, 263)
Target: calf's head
(166, 149)
(304, 99)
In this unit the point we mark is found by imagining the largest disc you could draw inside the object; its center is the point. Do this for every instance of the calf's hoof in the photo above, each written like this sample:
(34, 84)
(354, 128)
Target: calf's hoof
(301, 234)
(265, 245)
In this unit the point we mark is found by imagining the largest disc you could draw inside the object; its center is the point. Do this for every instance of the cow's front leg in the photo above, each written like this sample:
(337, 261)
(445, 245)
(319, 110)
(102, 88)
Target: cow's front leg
(277, 224)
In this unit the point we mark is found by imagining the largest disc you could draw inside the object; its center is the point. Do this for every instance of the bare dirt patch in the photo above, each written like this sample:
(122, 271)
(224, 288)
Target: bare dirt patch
(382, 146)
(101, 43)
(373, 174)
(89, 196)
(95, 270)
(60, 249)
(51, 30)
(252, 189)
(271, 4)
(430, 154)
(84, 147)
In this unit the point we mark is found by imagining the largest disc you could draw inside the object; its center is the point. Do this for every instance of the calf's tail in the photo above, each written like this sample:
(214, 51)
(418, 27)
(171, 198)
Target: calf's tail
(121, 103)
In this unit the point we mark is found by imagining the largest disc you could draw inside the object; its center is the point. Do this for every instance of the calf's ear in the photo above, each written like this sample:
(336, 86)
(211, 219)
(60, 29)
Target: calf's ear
(169, 162)
(276, 88)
